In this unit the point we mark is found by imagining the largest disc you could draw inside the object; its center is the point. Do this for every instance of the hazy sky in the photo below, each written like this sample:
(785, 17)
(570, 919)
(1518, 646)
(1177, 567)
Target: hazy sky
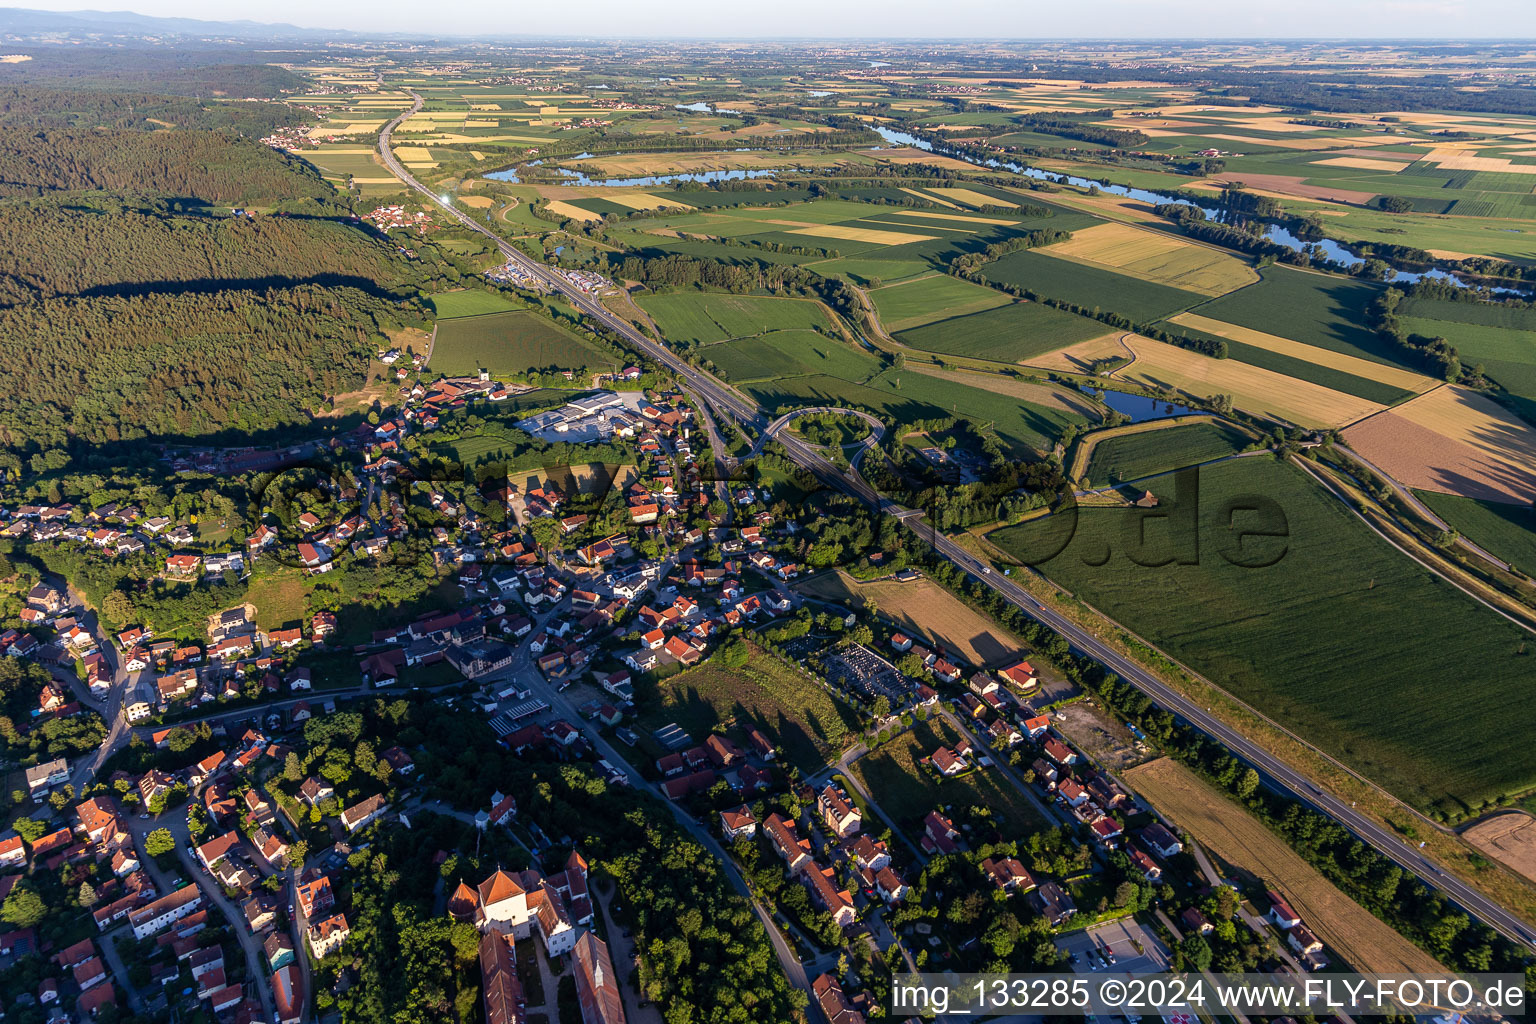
(916, 19)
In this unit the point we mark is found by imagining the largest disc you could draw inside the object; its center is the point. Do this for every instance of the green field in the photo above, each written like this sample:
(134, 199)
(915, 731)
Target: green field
(510, 343)
(799, 716)
(907, 792)
(470, 302)
(1315, 309)
(1341, 639)
(789, 354)
(900, 398)
(1507, 531)
(1091, 287)
(1133, 456)
(1498, 337)
(939, 297)
(705, 317)
(1008, 334)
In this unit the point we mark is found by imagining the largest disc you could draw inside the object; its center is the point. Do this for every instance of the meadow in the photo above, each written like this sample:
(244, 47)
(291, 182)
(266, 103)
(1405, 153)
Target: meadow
(706, 317)
(510, 343)
(1505, 529)
(1498, 337)
(1013, 333)
(1089, 286)
(1315, 634)
(925, 300)
(789, 353)
(907, 791)
(799, 716)
(469, 302)
(1126, 454)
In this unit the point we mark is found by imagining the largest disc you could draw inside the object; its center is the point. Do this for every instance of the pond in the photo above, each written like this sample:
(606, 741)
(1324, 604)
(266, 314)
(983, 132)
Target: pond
(1139, 407)
(1324, 249)
(702, 107)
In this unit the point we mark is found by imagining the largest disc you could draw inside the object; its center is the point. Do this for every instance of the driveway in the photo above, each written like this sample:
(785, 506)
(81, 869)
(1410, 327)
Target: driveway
(1136, 950)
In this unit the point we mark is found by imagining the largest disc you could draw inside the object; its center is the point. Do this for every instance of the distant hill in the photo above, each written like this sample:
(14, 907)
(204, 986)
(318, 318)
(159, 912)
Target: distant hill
(25, 22)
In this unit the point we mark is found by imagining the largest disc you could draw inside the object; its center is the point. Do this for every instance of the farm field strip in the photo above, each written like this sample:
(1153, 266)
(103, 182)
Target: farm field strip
(1252, 388)
(1122, 452)
(1044, 395)
(1236, 837)
(1157, 257)
(1367, 368)
(1079, 358)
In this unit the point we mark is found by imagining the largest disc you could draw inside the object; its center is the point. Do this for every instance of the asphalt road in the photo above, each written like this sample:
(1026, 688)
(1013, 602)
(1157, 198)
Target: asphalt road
(727, 401)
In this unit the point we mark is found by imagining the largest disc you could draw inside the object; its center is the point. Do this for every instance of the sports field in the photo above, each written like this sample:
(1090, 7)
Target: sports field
(924, 300)
(1143, 449)
(510, 343)
(1226, 830)
(705, 317)
(1253, 389)
(1154, 256)
(1013, 333)
(1314, 634)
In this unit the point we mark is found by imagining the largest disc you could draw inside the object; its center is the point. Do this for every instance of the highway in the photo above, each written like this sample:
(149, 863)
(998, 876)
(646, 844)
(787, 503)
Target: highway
(724, 400)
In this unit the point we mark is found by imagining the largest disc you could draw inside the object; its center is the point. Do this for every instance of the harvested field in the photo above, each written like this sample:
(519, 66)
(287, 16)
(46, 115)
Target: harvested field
(950, 216)
(1043, 395)
(572, 211)
(644, 201)
(1370, 370)
(1291, 185)
(967, 197)
(924, 609)
(1154, 256)
(1229, 832)
(1080, 358)
(1253, 389)
(477, 202)
(1364, 163)
(1509, 839)
(1453, 441)
(932, 199)
(852, 234)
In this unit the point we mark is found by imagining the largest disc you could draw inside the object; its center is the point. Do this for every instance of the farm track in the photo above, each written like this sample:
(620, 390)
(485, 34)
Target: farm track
(1082, 640)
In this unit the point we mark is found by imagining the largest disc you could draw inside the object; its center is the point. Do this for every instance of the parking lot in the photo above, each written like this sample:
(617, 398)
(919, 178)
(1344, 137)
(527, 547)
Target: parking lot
(1136, 950)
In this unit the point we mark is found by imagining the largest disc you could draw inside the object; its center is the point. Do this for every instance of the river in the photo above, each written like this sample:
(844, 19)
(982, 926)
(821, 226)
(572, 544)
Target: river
(1332, 252)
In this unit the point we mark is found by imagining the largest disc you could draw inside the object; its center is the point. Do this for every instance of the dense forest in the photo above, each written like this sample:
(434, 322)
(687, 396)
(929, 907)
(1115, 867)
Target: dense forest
(208, 165)
(103, 244)
(29, 106)
(224, 72)
(115, 368)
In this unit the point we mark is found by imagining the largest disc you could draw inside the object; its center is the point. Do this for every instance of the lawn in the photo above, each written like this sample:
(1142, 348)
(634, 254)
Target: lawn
(1009, 334)
(1131, 456)
(510, 343)
(705, 317)
(1340, 638)
(1508, 531)
(799, 716)
(1092, 287)
(907, 792)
